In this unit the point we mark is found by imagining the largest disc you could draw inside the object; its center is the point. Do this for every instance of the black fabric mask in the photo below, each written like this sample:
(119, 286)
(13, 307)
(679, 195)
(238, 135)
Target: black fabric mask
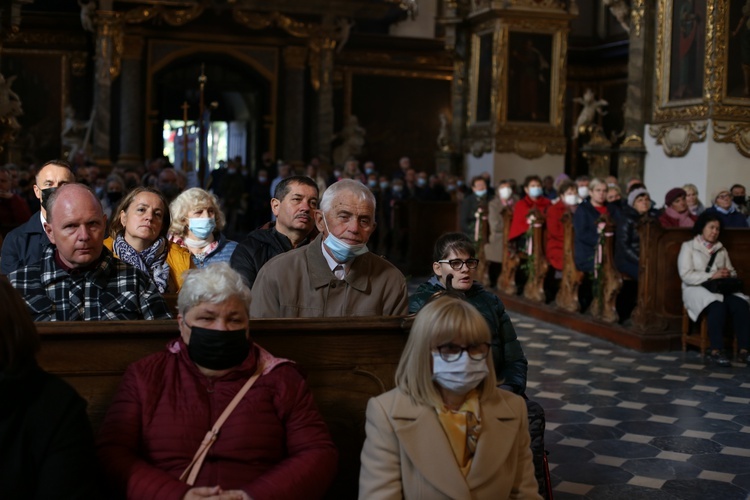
(114, 197)
(46, 193)
(218, 349)
(739, 200)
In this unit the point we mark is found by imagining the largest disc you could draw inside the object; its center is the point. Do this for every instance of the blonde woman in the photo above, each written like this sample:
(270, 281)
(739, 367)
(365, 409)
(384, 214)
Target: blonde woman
(446, 431)
(691, 196)
(197, 222)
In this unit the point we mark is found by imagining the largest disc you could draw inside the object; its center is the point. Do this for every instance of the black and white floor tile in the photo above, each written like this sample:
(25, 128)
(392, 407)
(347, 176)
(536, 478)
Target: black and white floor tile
(628, 425)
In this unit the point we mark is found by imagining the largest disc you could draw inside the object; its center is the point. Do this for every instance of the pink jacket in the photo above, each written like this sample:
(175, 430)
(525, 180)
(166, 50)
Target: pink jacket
(274, 445)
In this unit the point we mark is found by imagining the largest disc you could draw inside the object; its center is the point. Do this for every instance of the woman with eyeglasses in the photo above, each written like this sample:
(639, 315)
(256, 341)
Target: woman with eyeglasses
(455, 267)
(446, 431)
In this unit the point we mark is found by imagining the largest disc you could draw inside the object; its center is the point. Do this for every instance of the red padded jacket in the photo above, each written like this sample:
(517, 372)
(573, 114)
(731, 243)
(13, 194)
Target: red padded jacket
(275, 444)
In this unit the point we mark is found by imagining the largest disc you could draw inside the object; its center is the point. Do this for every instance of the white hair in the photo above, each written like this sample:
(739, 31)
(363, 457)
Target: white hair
(214, 284)
(192, 199)
(355, 187)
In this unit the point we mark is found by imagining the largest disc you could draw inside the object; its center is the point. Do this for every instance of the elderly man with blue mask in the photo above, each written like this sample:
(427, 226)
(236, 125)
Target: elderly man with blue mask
(336, 274)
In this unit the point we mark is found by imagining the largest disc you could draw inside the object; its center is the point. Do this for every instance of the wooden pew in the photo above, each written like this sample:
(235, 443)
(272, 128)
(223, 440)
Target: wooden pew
(347, 361)
(609, 279)
(567, 295)
(659, 306)
(511, 260)
(537, 262)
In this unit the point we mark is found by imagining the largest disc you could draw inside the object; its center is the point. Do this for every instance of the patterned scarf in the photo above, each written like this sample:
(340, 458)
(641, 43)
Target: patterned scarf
(152, 261)
(463, 427)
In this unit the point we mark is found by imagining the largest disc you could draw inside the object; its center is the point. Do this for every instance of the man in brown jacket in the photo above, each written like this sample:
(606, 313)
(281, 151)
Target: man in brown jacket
(335, 275)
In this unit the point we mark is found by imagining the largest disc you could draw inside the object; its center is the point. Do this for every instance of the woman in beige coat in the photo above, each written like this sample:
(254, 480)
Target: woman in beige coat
(446, 431)
(693, 264)
(493, 250)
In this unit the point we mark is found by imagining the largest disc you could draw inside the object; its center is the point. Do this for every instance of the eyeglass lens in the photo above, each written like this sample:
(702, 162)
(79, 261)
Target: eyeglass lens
(456, 264)
(451, 352)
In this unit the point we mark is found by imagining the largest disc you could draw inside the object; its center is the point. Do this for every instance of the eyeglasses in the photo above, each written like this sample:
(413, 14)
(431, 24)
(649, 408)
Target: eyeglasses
(457, 264)
(724, 195)
(451, 352)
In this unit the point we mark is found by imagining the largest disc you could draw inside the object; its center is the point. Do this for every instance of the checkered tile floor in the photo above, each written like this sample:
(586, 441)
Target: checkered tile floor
(628, 425)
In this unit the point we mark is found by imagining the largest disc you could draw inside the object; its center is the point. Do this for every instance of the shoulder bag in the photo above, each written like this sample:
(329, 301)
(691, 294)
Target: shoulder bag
(724, 286)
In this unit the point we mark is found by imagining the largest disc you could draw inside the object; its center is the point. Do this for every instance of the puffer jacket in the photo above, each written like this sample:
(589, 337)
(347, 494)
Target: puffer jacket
(628, 241)
(275, 444)
(510, 363)
(586, 236)
(259, 247)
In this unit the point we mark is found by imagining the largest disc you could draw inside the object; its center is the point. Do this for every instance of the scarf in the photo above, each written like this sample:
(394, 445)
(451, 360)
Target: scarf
(726, 211)
(152, 261)
(705, 243)
(683, 218)
(462, 427)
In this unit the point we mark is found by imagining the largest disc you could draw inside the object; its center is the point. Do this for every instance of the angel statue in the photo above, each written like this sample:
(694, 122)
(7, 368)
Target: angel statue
(73, 133)
(87, 15)
(444, 140)
(10, 110)
(591, 108)
(353, 139)
(621, 10)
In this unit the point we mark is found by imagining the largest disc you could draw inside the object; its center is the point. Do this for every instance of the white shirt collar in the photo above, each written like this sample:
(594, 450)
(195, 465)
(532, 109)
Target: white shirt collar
(332, 262)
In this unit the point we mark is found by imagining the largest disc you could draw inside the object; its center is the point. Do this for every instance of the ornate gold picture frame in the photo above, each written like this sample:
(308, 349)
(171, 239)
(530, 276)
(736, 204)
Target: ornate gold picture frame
(683, 75)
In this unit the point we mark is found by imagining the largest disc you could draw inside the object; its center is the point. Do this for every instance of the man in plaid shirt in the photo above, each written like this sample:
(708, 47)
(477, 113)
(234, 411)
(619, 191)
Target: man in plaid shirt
(77, 278)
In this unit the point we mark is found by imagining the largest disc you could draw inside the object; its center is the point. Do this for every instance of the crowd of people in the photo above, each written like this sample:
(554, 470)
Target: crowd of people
(111, 248)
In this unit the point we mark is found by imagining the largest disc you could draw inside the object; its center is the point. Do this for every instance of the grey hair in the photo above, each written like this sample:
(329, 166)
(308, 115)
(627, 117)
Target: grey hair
(355, 187)
(214, 284)
(596, 182)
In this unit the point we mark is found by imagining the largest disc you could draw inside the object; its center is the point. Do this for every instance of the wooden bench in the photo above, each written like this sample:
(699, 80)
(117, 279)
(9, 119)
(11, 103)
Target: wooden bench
(659, 305)
(347, 361)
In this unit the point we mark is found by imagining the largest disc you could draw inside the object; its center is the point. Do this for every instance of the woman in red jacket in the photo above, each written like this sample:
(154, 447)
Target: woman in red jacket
(534, 198)
(274, 444)
(567, 204)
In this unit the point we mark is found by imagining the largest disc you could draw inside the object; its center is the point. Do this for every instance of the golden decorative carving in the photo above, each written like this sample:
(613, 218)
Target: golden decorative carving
(78, 61)
(530, 146)
(676, 138)
(42, 38)
(636, 16)
(632, 142)
(109, 46)
(737, 133)
(173, 17)
(537, 4)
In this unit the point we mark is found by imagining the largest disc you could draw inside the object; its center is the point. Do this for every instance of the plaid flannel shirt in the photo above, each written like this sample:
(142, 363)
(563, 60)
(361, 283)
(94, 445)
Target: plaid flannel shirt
(113, 290)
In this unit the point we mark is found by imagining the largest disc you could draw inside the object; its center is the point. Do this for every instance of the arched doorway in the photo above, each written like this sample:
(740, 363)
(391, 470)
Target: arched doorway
(242, 121)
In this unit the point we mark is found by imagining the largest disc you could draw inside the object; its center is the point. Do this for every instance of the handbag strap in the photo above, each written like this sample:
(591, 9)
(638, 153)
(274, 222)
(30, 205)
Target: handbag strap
(711, 260)
(190, 474)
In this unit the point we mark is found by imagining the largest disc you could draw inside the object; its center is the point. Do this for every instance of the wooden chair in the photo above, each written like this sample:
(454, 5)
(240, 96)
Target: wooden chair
(700, 339)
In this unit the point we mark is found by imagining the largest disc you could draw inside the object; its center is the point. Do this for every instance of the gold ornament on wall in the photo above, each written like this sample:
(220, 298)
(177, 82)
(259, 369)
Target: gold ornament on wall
(734, 132)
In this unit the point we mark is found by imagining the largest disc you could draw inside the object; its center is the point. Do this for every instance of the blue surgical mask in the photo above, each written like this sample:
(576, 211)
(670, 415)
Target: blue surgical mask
(535, 192)
(341, 250)
(383, 185)
(372, 184)
(202, 227)
(480, 193)
(421, 182)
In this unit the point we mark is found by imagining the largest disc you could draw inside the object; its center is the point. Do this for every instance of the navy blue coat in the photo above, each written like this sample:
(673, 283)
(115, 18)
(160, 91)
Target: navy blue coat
(586, 236)
(732, 219)
(24, 245)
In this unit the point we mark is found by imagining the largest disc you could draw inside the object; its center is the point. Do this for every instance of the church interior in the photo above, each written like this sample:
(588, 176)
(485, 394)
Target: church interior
(651, 91)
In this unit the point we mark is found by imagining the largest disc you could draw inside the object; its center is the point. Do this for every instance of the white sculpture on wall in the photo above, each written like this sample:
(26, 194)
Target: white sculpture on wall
(621, 10)
(87, 15)
(591, 107)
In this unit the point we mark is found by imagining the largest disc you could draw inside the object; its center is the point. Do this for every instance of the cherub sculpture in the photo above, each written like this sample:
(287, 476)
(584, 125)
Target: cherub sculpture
(591, 107)
(621, 10)
(87, 15)
(443, 140)
(353, 139)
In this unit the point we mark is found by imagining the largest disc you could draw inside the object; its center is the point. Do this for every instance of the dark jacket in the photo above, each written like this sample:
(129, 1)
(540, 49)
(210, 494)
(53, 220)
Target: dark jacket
(733, 219)
(586, 235)
(46, 443)
(628, 241)
(259, 247)
(469, 207)
(24, 245)
(510, 363)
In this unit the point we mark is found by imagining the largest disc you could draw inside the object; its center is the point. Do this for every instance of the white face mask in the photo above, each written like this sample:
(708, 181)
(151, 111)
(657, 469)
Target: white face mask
(459, 376)
(505, 192)
(570, 199)
(583, 192)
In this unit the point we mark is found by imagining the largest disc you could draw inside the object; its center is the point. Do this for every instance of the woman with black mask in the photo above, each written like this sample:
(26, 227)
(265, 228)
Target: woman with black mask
(171, 405)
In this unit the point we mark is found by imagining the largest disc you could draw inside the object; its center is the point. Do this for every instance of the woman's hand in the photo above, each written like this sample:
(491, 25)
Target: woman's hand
(721, 273)
(215, 493)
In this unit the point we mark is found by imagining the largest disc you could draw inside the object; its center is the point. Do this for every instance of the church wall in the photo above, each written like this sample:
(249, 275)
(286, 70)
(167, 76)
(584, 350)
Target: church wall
(709, 165)
(509, 165)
